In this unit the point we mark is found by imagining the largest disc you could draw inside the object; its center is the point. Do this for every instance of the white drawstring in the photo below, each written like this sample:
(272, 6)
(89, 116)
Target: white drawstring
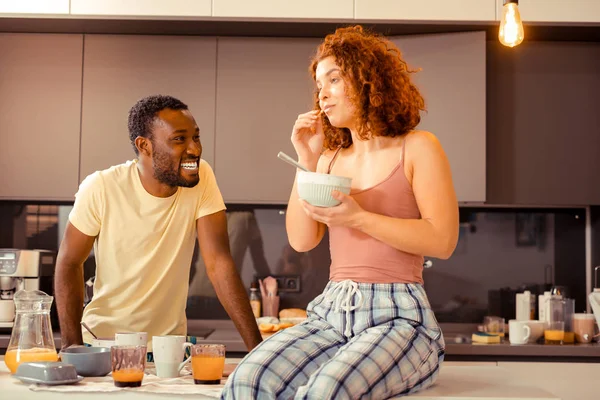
(342, 294)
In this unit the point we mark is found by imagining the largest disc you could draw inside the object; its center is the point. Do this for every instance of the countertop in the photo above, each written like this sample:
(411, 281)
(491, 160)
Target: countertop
(457, 380)
(224, 332)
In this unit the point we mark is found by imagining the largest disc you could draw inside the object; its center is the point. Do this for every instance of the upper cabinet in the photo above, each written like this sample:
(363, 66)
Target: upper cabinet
(284, 9)
(438, 10)
(556, 10)
(172, 8)
(543, 119)
(452, 79)
(262, 86)
(120, 70)
(34, 6)
(40, 95)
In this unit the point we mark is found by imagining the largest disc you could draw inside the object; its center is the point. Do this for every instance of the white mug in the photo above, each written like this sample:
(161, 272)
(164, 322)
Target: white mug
(168, 352)
(7, 310)
(518, 331)
(131, 339)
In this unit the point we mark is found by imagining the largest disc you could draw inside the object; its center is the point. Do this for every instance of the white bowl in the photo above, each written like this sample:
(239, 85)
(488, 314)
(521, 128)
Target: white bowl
(315, 188)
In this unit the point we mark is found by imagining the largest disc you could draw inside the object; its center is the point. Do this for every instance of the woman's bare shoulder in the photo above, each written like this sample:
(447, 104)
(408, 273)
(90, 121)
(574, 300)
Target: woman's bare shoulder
(422, 142)
(422, 138)
(422, 145)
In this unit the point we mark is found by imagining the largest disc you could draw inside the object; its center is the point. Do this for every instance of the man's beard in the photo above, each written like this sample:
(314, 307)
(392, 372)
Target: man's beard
(165, 173)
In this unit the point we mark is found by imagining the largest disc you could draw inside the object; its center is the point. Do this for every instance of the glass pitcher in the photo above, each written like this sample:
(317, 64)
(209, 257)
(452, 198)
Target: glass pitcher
(31, 338)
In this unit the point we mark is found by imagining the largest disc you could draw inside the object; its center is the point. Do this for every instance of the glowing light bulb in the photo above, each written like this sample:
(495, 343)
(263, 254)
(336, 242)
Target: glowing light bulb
(511, 28)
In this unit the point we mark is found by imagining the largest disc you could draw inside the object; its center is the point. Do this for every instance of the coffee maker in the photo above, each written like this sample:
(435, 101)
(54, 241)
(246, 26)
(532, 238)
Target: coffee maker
(23, 269)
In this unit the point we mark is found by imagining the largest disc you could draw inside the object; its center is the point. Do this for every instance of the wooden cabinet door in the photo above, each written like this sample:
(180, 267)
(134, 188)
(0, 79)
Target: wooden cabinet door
(262, 86)
(40, 103)
(34, 6)
(187, 8)
(543, 141)
(120, 70)
(284, 9)
(555, 11)
(424, 10)
(453, 81)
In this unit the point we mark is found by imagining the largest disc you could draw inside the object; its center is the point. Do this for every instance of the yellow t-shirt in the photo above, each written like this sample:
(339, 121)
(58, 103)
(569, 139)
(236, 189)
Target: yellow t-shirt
(144, 247)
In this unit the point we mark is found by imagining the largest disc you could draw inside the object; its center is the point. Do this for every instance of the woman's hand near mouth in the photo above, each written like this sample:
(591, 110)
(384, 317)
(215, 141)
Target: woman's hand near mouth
(308, 137)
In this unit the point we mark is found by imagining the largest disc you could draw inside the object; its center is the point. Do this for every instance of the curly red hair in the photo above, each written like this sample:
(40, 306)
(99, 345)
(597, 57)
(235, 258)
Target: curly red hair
(387, 102)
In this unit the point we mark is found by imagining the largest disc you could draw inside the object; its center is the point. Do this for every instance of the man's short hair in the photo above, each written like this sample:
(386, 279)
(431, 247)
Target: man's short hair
(143, 113)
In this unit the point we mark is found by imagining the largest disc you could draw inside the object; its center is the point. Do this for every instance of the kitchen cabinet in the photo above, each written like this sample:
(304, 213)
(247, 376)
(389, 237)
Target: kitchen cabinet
(120, 70)
(556, 11)
(34, 6)
(262, 85)
(284, 9)
(543, 124)
(453, 82)
(424, 10)
(172, 8)
(40, 93)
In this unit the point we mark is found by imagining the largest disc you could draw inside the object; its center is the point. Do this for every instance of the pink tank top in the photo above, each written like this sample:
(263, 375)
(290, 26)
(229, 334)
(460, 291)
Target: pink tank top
(362, 258)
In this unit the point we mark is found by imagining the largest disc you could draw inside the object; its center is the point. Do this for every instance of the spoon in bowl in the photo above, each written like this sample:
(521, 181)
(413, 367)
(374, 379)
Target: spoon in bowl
(282, 156)
(87, 328)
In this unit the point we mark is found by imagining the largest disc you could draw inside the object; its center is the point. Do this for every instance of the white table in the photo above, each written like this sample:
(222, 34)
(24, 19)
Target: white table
(458, 380)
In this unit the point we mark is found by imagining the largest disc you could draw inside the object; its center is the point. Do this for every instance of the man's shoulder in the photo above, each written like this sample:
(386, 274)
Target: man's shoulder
(206, 174)
(204, 166)
(115, 172)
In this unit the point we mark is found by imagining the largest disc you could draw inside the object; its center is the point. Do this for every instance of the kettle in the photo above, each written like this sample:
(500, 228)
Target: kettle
(31, 338)
(594, 297)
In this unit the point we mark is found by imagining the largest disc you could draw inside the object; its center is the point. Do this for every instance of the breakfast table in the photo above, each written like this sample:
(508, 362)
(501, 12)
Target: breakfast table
(458, 380)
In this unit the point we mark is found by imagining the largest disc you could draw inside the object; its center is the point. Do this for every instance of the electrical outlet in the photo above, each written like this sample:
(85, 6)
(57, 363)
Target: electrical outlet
(292, 283)
(286, 283)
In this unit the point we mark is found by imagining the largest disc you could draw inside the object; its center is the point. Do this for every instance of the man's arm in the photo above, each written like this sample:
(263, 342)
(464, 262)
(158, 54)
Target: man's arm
(214, 246)
(68, 283)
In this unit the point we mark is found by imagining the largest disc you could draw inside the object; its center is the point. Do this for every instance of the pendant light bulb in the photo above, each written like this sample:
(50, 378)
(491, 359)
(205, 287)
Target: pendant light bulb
(511, 27)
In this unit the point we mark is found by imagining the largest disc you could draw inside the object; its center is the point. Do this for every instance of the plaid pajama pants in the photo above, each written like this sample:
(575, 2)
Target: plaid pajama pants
(360, 341)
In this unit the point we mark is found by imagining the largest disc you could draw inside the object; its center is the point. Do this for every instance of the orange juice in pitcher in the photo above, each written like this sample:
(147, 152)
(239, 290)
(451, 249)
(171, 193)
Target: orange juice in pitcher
(14, 357)
(31, 338)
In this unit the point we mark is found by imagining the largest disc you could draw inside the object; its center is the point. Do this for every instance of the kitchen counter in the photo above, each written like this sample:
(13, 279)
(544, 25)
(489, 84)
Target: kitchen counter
(224, 332)
(573, 352)
(458, 380)
(11, 388)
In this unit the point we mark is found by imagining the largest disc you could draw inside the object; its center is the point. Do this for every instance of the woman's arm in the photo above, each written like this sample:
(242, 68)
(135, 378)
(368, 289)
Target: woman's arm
(436, 233)
(304, 233)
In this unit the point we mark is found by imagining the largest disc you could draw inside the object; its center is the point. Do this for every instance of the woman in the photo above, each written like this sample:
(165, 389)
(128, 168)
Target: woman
(372, 333)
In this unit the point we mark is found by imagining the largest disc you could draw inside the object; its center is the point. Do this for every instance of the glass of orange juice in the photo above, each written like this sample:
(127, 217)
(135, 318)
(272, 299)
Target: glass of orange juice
(554, 333)
(128, 365)
(208, 361)
(16, 356)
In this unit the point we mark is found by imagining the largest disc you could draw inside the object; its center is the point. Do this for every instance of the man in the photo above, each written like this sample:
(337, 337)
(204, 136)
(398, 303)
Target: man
(142, 217)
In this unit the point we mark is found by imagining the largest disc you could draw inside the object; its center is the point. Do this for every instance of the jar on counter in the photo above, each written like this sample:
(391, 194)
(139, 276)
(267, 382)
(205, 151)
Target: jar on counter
(255, 301)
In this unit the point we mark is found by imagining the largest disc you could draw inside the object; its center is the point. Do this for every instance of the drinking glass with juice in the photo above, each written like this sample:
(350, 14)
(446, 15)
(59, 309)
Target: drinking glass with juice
(554, 333)
(128, 365)
(208, 361)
